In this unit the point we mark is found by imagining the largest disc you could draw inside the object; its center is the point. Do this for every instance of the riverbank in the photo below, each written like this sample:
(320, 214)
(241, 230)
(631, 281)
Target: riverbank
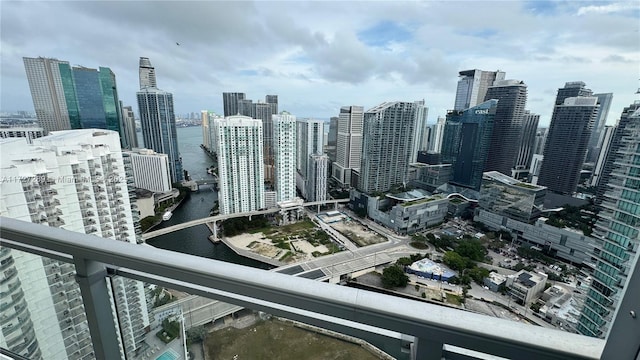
(169, 208)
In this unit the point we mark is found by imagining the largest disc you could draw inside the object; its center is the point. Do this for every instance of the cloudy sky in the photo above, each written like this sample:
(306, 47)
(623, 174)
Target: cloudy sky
(320, 55)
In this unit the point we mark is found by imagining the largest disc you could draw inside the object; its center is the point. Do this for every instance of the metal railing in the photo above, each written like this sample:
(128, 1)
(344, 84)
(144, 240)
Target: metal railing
(436, 332)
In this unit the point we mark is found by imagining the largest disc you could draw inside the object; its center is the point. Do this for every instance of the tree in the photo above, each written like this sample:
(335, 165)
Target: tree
(394, 276)
(453, 260)
(478, 274)
(196, 334)
(473, 249)
(404, 261)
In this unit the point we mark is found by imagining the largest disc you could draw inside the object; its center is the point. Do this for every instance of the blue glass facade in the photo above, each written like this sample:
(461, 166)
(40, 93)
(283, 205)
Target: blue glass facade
(89, 94)
(159, 127)
(69, 87)
(110, 99)
(466, 141)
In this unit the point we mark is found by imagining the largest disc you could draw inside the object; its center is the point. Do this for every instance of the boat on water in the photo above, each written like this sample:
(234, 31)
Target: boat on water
(167, 215)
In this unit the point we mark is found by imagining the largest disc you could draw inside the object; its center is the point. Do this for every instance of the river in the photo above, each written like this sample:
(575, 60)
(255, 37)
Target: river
(194, 240)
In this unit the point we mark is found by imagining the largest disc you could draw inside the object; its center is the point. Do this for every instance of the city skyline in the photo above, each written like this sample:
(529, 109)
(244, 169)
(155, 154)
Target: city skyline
(318, 61)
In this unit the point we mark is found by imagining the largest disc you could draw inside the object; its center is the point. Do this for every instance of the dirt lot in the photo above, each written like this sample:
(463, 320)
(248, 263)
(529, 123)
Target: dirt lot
(275, 340)
(357, 233)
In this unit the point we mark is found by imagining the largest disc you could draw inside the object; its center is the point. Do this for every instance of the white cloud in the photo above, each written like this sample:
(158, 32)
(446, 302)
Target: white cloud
(609, 8)
(309, 53)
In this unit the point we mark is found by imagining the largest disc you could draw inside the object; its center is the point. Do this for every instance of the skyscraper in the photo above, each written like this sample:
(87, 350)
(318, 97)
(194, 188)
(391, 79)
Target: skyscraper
(348, 143)
(128, 134)
(616, 232)
(74, 98)
(97, 98)
(147, 74)
(473, 85)
(318, 165)
(541, 139)
(466, 140)
(437, 131)
(332, 139)
(572, 89)
(309, 137)
(240, 164)
(47, 92)
(387, 144)
(421, 133)
(609, 156)
(507, 124)
(566, 146)
(159, 127)
(527, 143)
(76, 180)
(604, 100)
(230, 103)
(284, 148)
(237, 104)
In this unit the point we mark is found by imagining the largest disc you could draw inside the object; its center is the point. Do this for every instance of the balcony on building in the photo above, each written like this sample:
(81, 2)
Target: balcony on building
(423, 330)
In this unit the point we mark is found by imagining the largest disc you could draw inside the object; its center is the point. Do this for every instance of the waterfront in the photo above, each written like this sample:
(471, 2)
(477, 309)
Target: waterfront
(194, 240)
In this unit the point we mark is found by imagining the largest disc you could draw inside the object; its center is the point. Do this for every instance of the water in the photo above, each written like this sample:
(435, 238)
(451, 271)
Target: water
(194, 240)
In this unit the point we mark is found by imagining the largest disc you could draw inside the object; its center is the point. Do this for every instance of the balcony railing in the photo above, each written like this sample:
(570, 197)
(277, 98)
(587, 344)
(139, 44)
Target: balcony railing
(435, 332)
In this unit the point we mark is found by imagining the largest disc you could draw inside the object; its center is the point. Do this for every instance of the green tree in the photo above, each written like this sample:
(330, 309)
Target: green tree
(404, 261)
(394, 276)
(454, 260)
(477, 274)
(473, 249)
(196, 334)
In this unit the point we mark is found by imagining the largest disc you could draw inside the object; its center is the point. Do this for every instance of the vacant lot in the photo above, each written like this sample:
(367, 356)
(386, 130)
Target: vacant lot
(275, 340)
(357, 233)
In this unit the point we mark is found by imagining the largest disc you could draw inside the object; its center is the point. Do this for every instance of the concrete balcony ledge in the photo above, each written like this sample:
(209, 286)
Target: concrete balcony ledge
(437, 331)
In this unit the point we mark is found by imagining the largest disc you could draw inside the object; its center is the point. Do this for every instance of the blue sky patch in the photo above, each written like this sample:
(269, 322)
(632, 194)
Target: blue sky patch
(384, 33)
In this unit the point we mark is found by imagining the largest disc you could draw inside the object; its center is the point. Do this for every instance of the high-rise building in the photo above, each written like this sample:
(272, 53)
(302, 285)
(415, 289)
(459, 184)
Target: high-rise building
(284, 148)
(230, 103)
(387, 145)
(150, 170)
(616, 232)
(348, 143)
(507, 124)
(128, 134)
(437, 131)
(473, 85)
(466, 140)
(237, 104)
(609, 156)
(73, 180)
(147, 74)
(604, 100)
(541, 139)
(159, 127)
(566, 146)
(272, 100)
(504, 195)
(47, 92)
(332, 139)
(310, 137)
(97, 99)
(421, 140)
(240, 164)
(527, 143)
(572, 89)
(318, 165)
(604, 146)
(74, 98)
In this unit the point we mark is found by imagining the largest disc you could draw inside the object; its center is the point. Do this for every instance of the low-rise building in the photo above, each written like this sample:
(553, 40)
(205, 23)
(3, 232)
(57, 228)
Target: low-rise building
(525, 286)
(404, 213)
(494, 281)
(505, 195)
(429, 177)
(566, 243)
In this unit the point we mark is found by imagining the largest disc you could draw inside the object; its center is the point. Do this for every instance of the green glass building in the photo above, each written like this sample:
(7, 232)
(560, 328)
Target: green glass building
(617, 232)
